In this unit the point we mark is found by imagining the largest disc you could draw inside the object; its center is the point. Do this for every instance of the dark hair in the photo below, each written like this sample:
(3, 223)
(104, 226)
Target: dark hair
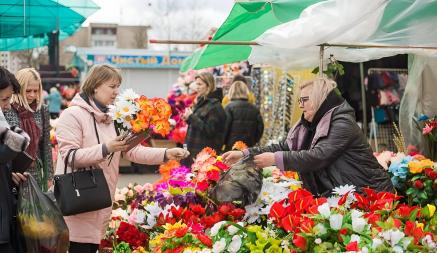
(239, 78)
(8, 79)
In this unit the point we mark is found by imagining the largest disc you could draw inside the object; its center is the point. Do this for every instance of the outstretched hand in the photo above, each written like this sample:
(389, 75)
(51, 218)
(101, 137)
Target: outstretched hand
(176, 154)
(232, 157)
(264, 160)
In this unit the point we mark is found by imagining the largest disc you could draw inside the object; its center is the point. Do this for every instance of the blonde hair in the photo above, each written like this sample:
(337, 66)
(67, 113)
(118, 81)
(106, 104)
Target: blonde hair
(24, 77)
(238, 90)
(97, 76)
(321, 87)
(208, 78)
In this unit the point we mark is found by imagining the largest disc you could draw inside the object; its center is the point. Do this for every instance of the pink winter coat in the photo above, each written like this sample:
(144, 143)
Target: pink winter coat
(75, 129)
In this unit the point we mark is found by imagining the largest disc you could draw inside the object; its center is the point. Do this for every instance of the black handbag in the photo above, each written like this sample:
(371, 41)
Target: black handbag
(82, 190)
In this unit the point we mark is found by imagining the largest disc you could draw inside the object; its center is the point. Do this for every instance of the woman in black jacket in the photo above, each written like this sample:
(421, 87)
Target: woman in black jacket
(12, 142)
(206, 121)
(243, 120)
(326, 147)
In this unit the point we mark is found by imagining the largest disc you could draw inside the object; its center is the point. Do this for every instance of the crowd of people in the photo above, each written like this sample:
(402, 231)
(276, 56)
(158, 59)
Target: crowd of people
(326, 147)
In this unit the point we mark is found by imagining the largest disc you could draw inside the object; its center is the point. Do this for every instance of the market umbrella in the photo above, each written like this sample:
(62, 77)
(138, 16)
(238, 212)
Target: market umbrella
(246, 22)
(25, 23)
(295, 43)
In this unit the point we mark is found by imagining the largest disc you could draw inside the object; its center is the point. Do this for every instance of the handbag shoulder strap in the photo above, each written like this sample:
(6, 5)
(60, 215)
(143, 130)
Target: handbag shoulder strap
(95, 128)
(66, 160)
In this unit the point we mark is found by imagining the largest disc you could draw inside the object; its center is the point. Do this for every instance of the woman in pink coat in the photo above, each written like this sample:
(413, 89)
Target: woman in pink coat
(75, 130)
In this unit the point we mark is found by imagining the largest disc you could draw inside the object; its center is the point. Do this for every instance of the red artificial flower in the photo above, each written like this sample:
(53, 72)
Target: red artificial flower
(204, 239)
(431, 173)
(213, 175)
(418, 184)
(202, 185)
(372, 218)
(209, 221)
(300, 242)
(341, 233)
(177, 212)
(371, 194)
(343, 199)
(237, 213)
(397, 223)
(290, 223)
(225, 208)
(105, 243)
(130, 234)
(352, 246)
(361, 203)
(299, 194)
(405, 210)
(409, 228)
(306, 225)
(221, 166)
(197, 209)
(277, 211)
(181, 232)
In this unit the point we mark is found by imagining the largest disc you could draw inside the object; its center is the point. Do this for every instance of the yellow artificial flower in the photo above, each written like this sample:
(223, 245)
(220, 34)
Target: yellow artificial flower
(219, 158)
(419, 225)
(431, 209)
(140, 250)
(295, 186)
(415, 167)
(156, 240)
(427, 163)
(169, 228)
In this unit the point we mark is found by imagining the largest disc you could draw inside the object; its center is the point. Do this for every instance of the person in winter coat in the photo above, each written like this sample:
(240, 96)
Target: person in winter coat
(243, 120)
(76, 129)
(30, 114)
(54, 100)
(326, 147)
(12, 141)
(251, 97)
(206, 121)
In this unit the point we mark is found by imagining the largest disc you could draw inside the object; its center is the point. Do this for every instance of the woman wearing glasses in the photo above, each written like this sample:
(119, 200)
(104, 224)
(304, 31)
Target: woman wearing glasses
(326, 147)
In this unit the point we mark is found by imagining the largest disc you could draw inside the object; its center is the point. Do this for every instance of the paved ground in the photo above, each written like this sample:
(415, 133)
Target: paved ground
(125, 179)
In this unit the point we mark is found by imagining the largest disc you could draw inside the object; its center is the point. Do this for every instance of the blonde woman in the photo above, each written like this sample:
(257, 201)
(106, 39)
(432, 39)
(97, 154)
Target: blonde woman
(243, 119)
(326, 147)
(86, 126)
(206, 121)
(30, 114)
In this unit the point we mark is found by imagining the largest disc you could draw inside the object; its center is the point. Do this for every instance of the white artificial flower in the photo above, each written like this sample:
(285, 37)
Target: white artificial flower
(137, 216)
(129, 94)
(364, 250)
(406, 242)
(324, 210)
(214, 230)
(172, 122)
(396, 236)
(319, 229)
(398, 249)
(355, 238)
(232, 230)
(318, 241)
(285, 244)
(335, 221)
(120, 213)
(333, 201)
(358, 224)
(124, 190)
(343, 189)
(428, 241)
(356, 214)
(219, 246)
(235, 244)
(376, 242)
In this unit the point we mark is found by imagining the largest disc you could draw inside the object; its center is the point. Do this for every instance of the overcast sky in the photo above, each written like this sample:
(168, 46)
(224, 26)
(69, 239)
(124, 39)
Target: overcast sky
(189, 19)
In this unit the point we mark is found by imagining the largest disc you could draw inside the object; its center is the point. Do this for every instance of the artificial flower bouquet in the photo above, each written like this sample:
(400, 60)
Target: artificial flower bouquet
(428, 128)
(135, 114)
(416, 178)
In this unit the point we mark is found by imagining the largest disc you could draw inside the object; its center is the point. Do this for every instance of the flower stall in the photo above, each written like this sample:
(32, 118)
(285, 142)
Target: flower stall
(178, 213)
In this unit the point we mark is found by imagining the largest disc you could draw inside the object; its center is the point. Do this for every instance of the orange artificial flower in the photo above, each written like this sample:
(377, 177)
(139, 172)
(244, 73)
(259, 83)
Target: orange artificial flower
(239, 145)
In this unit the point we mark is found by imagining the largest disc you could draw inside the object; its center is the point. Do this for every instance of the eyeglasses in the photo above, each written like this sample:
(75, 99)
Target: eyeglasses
(302, 100)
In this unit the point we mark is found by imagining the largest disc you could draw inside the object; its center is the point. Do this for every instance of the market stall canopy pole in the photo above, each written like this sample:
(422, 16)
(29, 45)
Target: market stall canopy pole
(253, 43)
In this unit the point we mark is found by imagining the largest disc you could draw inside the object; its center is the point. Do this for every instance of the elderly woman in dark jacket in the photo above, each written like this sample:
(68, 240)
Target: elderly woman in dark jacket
(206, 121)
(326, 147)
(243, 120)
(12, 142)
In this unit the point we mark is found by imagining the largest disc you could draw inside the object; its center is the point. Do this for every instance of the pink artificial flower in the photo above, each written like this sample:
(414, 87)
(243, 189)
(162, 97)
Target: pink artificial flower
(427, 129)
(139, 188)
(148, 187)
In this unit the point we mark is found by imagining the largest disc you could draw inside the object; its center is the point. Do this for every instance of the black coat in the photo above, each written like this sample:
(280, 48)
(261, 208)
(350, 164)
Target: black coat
(12, 142)
(206, 126)
(243, 123)
(339, 154)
